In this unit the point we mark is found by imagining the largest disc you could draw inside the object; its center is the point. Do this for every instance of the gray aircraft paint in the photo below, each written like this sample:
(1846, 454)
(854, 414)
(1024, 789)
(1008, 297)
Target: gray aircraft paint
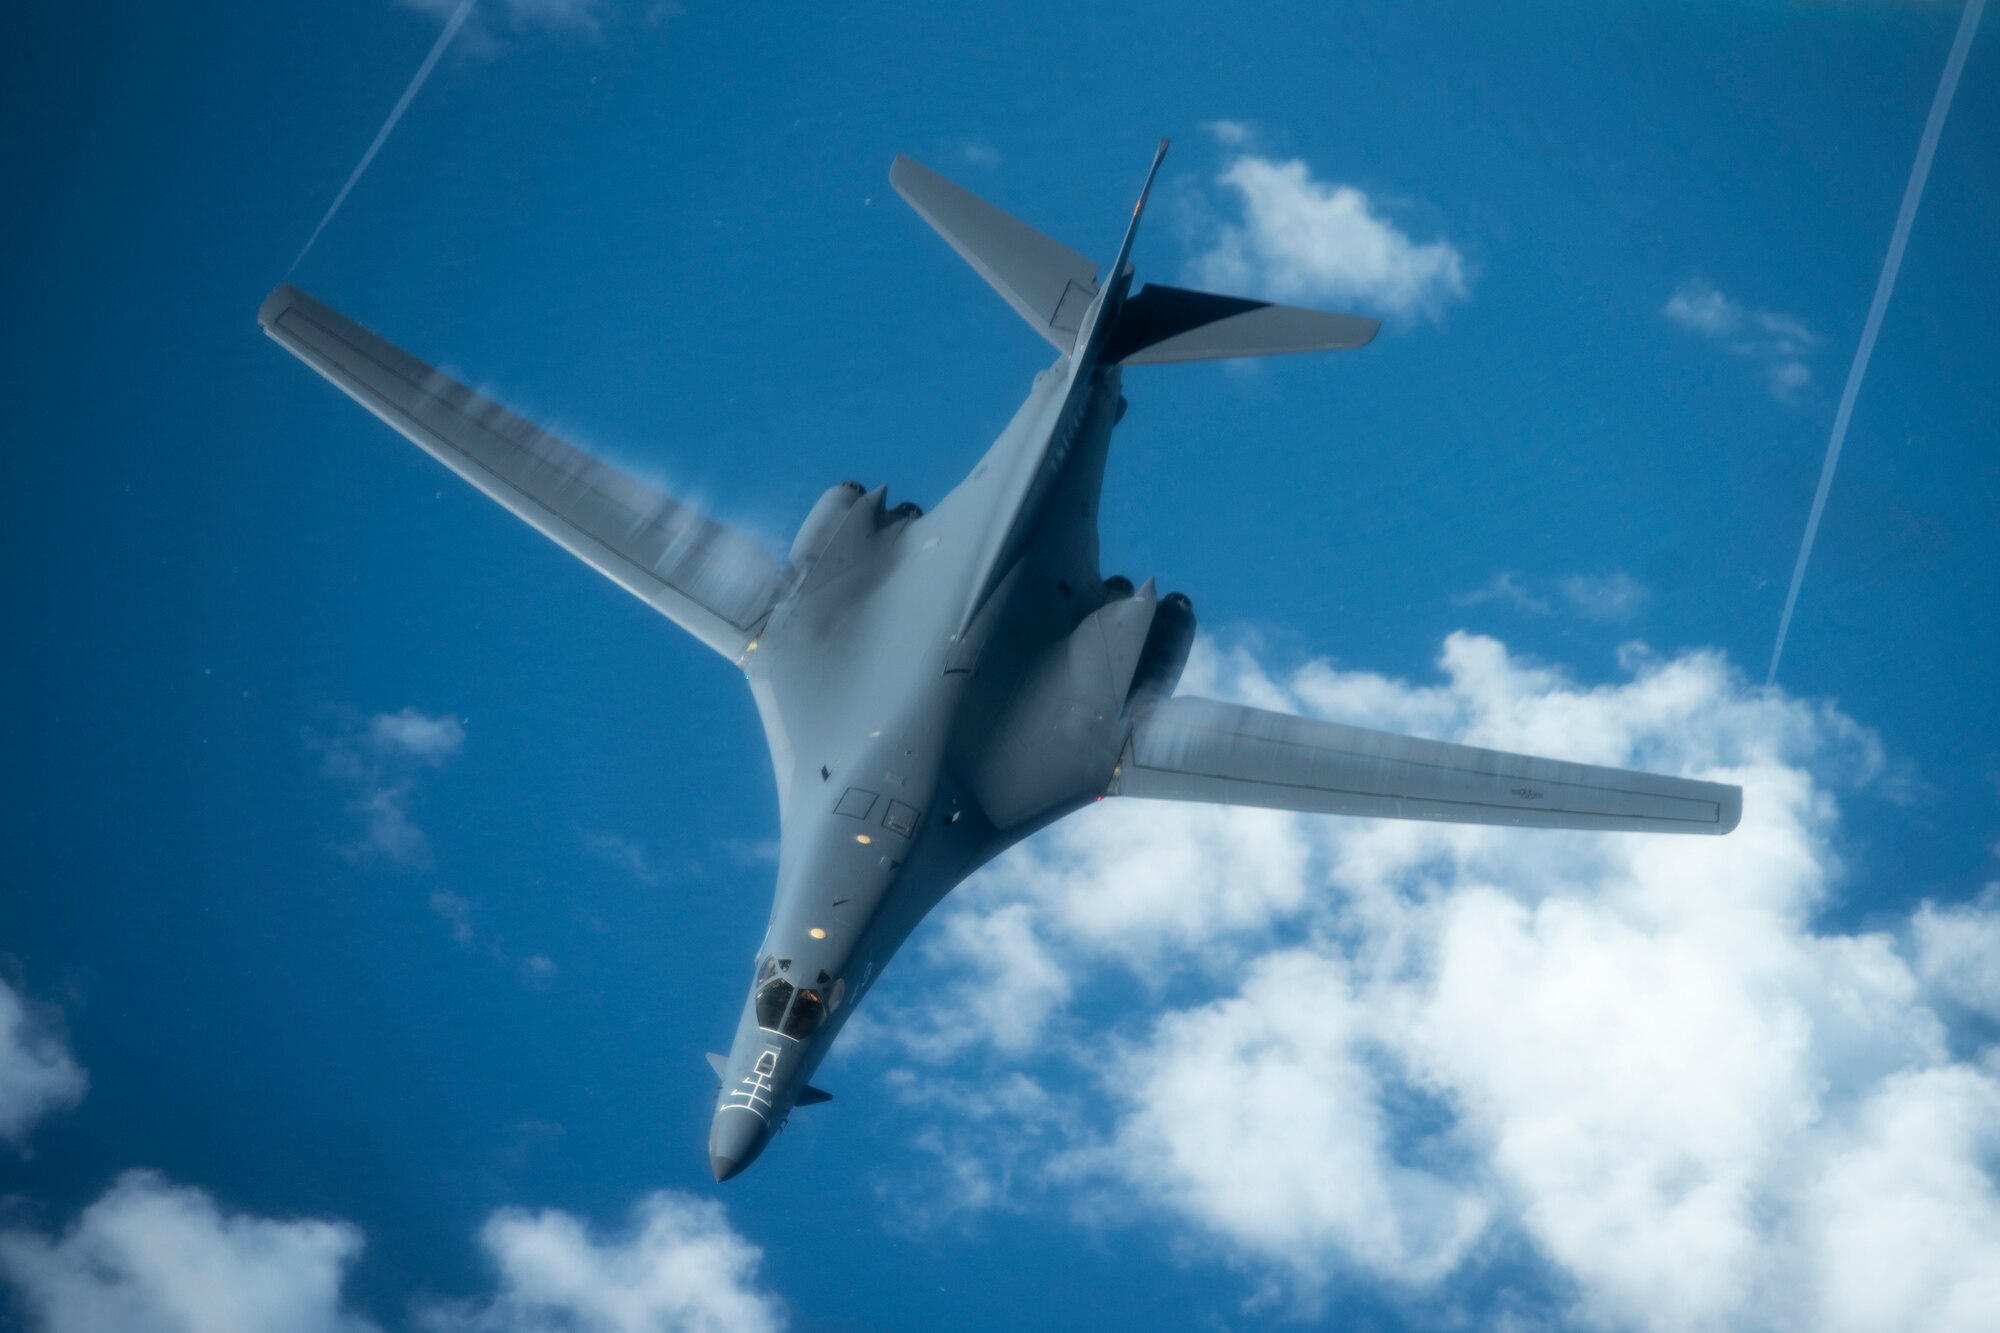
(936, 687)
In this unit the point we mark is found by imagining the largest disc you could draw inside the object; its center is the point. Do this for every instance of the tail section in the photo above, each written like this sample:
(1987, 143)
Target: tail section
(1138, 211)
(1056, 290)
(1162, 324)
(1047, 283)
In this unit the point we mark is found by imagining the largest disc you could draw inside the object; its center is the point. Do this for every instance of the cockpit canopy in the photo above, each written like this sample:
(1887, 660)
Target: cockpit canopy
(795, 1011)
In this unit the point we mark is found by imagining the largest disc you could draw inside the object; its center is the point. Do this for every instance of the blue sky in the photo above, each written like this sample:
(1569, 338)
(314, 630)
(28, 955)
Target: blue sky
(377, 876)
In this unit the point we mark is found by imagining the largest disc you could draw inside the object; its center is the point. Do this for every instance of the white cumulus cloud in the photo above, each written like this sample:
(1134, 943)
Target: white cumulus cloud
(1262, 1114)
(153, 1257)
(1609, 597)
(1002, 957)
(1958, 950)
(1616, 596)
(978, 153)
(1228, 133)
(1507, 589)
(1903, 1222)
(378, 761)
(1300, 238)
(679, 1267)
(37, 1073)
(413, 734)
(628, 855)
(1774, 342)
(1385, 1051)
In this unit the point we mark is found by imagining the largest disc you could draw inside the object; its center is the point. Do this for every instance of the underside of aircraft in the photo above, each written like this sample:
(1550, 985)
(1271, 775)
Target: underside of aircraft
(936, 687)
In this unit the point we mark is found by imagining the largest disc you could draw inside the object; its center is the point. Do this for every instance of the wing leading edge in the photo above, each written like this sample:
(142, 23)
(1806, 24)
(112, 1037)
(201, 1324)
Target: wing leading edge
(1189, 749)
(709, 579)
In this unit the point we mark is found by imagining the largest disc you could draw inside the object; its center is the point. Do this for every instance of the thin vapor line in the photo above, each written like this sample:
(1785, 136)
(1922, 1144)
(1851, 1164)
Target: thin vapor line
(1913, 193)
(451, 27)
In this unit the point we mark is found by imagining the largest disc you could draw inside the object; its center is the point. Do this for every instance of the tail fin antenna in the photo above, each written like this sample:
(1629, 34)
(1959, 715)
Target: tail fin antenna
(1132, 227)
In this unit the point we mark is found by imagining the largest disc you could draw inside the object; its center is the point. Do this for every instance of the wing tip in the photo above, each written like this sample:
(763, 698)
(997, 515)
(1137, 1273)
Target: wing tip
(1729, 811)
(282, 298)
(907, 174)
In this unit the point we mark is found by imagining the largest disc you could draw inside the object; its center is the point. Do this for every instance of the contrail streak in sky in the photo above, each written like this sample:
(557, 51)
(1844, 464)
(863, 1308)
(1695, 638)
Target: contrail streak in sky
(451, 27)
(1913, 193)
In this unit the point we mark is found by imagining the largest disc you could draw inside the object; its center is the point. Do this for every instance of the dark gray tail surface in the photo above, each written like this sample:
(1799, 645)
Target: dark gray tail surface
(1052, 287)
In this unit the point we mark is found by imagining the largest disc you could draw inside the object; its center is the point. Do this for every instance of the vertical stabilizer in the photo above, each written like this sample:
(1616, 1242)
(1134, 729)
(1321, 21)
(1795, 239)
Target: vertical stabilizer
(1138, 209)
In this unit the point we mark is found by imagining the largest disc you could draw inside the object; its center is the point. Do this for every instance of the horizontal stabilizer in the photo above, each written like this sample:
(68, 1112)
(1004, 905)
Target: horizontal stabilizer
(811, 1096)
(1162, 324)
(1047, 283)
(1189, 749)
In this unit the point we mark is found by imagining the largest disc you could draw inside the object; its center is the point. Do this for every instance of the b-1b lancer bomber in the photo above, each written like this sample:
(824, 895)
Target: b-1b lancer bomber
(936, 687)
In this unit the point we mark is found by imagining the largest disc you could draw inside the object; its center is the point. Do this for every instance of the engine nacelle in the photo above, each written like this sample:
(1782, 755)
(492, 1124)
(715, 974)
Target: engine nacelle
(1058, 740)
(819, 526)
(1168, 641)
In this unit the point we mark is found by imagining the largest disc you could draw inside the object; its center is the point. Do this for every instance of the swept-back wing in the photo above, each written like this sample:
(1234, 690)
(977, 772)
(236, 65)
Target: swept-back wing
(1189, 749)
(710, 580)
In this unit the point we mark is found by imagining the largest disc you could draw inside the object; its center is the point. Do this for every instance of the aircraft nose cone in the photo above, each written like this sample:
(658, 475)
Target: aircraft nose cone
(734, 1141)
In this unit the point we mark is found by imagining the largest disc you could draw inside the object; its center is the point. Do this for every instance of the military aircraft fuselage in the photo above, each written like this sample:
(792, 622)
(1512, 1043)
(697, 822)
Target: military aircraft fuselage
(890, 685)
(935, 688)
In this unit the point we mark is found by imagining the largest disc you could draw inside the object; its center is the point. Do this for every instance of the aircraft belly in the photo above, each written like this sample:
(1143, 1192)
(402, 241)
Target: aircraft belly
(871, 679)
(1004, 502)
